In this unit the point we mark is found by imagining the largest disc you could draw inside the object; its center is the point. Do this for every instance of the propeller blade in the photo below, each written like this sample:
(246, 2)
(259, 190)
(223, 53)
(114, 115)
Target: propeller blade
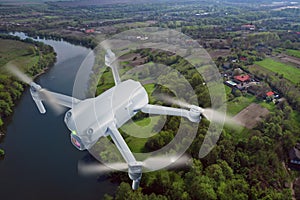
(18, 73)
(152, 164)
(155, 163)
(52, 101)
(47, 95)
(87, 169)
(210, 114)
(171, 100)
(219, 117)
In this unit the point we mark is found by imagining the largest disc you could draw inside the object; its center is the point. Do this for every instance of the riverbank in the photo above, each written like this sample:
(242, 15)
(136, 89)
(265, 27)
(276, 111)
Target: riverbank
(38, 152)
(32, 57)
(87, 41)
(2, 153)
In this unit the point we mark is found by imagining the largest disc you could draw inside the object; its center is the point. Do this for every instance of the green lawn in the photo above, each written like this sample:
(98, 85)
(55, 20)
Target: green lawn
(18, 52)
(150, 88)
(295, 53)
(270, 106)
(239, 103)
(227, 90)
(136, 145)
(141, 128)
(289, 72)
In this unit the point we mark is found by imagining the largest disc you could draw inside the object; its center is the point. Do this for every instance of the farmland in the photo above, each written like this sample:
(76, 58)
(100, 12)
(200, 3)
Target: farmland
(238, 104)
(292, 52)
(289, 72)
(18, 52)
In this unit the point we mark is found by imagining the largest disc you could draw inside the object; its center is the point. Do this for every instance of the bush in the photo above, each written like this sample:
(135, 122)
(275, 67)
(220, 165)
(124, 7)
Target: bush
(237, 93)
(2, 152)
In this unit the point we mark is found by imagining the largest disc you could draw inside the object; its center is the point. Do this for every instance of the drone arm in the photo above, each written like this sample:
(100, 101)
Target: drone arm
(115, 74)
(134, 167)
(63, 100)
(110, 61)
(39, 94)
(34, 91)
(121, 144)
(192, 114)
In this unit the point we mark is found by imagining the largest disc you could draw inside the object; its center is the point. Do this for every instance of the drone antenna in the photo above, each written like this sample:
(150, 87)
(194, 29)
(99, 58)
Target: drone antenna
(111, 61)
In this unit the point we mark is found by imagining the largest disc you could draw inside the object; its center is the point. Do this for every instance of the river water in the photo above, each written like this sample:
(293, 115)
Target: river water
(40, 161)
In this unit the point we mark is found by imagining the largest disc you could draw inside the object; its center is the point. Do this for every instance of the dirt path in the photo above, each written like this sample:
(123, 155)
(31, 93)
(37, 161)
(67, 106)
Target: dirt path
(251, 115)
(288, 59)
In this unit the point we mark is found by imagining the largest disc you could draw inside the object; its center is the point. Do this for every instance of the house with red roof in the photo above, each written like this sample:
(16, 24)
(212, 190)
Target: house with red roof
(242, 58)
(242, 78)
(270, 94)
(90, 31)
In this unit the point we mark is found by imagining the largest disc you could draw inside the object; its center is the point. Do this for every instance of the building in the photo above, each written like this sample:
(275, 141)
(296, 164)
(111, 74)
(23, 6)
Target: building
(249, 27)
(294, 157)
(244, 59)
(242, 78)
(230, 83)
(270, 94)
(227, 65)
(90, 31)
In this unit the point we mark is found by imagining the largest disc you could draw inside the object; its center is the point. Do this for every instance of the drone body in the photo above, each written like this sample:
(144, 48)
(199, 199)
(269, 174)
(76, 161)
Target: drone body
(114, 107)
(92, 118)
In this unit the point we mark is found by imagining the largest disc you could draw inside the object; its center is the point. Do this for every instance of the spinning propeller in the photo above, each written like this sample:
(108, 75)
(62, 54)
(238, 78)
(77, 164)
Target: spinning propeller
(209, 113)
(101, 116)
(150, 163)
(38, 93)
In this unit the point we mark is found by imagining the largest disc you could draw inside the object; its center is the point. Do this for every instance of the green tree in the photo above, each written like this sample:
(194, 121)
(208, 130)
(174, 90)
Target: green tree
(235, 189)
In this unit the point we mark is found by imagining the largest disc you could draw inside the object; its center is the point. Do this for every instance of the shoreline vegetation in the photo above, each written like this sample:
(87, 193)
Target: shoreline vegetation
(32, 57)
(250, 164)
(2, 153)
(88, 42)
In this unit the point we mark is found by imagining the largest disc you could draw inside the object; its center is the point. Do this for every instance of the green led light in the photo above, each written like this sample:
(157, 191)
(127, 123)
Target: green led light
(74, 133)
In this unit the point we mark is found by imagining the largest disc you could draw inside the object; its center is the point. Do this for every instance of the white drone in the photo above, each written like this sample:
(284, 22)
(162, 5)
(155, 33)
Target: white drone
(128, 97)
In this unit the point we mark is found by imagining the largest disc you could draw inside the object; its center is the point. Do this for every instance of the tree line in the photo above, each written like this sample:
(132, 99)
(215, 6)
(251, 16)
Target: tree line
(10, 88)
(246, 168)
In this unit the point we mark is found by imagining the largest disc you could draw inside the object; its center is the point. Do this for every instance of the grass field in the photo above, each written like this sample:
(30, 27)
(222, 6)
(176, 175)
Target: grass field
(270, 106)
(294, 53)
(239, 103)
(289, 72)
(227, 90)
(150, 88)
(141, 128)
(16, 52)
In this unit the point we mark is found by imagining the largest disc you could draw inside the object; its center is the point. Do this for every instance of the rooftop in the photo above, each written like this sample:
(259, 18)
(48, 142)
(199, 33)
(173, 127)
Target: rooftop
(242, 78)
(231, 83)
(270, 94)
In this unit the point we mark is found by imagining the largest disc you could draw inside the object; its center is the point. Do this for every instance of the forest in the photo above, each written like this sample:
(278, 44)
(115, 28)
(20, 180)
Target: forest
(259, 38)
(238, 168)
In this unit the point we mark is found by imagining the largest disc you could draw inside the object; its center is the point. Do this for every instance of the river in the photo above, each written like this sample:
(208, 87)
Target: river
(40, 161)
